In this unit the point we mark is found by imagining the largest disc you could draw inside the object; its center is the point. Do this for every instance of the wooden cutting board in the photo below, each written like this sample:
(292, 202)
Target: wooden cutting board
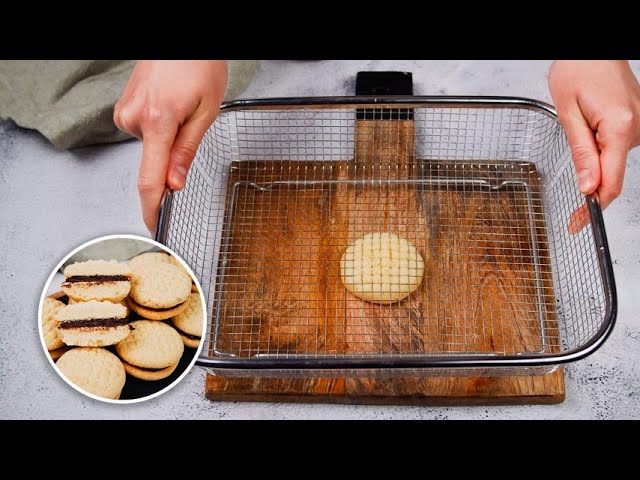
(284, 266)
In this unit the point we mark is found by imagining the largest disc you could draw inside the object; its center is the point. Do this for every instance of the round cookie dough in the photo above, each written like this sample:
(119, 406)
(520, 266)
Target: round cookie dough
(381, 268)
(94, 370)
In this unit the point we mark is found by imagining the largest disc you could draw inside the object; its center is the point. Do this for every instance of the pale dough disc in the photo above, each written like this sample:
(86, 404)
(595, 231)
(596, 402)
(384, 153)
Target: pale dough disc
(381, 268)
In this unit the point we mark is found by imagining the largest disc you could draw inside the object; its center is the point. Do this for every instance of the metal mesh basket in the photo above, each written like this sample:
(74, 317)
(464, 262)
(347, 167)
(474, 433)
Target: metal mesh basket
(484, 187)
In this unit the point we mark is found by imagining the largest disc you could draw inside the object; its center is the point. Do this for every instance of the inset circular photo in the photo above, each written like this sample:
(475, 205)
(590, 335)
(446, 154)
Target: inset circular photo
(122, 318)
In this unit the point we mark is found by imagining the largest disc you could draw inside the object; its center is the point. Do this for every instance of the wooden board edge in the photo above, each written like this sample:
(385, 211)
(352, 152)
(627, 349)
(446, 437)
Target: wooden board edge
(550, 397)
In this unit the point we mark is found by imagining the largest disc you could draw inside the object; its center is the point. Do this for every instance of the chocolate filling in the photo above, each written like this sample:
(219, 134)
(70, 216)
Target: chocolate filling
(94, 322)
(97, 278)
(190, 337)
(157, 309)
(150, 369)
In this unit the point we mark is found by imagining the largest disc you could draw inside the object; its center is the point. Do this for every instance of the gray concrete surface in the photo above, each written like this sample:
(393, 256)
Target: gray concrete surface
(52, 201)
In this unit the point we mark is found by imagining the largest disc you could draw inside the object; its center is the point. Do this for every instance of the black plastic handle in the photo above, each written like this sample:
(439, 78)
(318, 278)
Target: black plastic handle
(384, 84)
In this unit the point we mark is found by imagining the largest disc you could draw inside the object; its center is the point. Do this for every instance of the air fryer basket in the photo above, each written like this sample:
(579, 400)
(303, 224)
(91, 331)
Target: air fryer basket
(269, 166)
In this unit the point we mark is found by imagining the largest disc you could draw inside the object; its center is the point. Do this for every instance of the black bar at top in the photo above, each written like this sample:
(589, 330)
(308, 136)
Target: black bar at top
(384, 84)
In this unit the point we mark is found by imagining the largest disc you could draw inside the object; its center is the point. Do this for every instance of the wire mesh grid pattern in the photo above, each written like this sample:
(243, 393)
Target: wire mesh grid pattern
(276, 195)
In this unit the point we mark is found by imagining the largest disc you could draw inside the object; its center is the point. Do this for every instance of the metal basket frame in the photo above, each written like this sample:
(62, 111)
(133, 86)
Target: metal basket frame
(315, 366)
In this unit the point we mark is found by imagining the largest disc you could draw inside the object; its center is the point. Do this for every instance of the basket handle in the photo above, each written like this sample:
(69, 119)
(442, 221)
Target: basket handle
(372, 84)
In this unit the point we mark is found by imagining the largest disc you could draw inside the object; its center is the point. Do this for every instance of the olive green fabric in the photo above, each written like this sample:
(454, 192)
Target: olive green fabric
(71, 101)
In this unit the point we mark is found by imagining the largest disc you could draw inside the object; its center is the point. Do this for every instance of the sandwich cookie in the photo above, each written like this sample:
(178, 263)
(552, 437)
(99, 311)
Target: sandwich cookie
(157, 257)
(189, 322)
(94, 370)
(152, 351)
(173, 260)
(97, 280)
(149, 258)
(159, 291)
(92, 324)
(121, 302)
(49, 324)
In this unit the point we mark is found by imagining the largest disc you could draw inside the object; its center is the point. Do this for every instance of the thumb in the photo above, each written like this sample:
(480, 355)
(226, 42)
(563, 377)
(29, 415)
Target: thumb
(584, 150)
(184, 149)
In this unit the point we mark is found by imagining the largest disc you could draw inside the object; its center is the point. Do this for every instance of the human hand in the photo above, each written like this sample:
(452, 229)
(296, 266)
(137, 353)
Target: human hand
(598, 104)
(169, 105)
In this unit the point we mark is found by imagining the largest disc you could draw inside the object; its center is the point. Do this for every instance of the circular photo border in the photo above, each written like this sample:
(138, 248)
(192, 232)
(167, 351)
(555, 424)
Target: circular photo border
(151, 243)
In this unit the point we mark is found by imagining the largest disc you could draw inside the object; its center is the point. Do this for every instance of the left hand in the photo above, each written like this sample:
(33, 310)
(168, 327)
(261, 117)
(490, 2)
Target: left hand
(598, 104)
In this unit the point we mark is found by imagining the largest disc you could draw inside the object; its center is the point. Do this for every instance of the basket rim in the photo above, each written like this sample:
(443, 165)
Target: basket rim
(385, 101)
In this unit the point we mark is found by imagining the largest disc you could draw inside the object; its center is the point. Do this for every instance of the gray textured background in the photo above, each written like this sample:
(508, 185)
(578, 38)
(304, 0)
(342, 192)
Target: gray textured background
(52, 201)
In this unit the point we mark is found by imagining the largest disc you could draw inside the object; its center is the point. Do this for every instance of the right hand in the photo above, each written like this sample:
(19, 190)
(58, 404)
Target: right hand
(169, 105)
(598, 104)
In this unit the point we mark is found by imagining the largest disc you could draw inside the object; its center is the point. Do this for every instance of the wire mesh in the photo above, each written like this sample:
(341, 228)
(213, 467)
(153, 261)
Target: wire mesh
(276, 195)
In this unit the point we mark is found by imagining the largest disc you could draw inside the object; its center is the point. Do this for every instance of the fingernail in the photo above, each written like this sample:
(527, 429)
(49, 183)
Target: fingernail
(179, 176)
(584, 180)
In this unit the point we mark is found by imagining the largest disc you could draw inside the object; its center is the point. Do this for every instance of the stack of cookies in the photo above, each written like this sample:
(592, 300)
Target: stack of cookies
(130, 318)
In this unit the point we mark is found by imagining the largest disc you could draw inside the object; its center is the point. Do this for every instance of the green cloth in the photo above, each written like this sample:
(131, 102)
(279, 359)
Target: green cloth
(71, 101)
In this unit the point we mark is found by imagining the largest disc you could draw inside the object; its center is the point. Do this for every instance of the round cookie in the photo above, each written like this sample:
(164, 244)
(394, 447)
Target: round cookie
(151, 314)
(189, 322)
(94, 370)
(97, 280)
(190, 342)
(151, 345)
(149, 375)
(381, 268)
(160, 286)
(49, 324)
(174, 261)
(148, 258)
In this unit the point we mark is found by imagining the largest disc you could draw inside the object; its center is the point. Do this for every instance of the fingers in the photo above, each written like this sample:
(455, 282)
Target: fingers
(614, 162)
(126, 117)
(153, 171)
(579, 219)
(185, 147)
(584, 150)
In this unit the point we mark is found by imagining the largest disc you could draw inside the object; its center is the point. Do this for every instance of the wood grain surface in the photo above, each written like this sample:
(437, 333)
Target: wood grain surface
(487, 286)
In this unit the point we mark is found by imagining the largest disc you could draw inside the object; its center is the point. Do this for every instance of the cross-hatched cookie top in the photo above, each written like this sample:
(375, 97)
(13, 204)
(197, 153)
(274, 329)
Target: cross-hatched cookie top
(148, 258)
(382, 267)
(97, 268)
(94, 370)
(49, 323)
(151, 344)
(190, 320)
(90, 310)
(160, 285)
